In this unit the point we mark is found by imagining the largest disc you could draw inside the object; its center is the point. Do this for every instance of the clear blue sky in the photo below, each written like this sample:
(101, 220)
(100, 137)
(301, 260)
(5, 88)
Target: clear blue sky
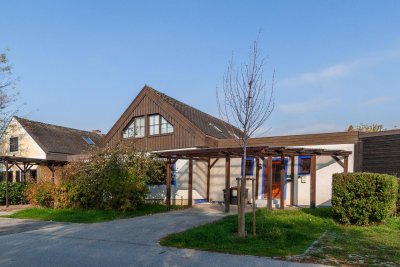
(81, 63)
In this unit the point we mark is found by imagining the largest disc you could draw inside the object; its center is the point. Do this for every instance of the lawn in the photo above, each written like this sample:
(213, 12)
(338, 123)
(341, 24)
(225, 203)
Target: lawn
(288, 234)
(87, 216)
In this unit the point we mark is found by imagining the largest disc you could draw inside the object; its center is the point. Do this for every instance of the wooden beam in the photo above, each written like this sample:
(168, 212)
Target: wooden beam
(215, 161)
(7, 168)
(208, 179)
(346, 164)
(336, 158)
(313, 181)
(168, 185)
(227, 183)
(190, 186)
(257, 177)
(282, 184)
(293, 182)
(269, 182)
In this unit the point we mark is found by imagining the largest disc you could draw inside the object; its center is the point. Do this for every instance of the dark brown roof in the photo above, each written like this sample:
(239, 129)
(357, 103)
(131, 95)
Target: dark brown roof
(57, 139)
(206, 123)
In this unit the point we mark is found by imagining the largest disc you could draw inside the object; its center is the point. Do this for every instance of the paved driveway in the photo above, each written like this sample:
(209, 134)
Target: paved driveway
(127, 242)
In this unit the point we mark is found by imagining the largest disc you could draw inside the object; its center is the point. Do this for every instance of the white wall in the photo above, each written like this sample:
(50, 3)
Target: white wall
(27, 146)
(326, 167)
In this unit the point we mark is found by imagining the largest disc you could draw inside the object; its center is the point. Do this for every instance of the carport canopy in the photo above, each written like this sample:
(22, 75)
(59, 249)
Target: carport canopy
(264, 153)
(24, 164)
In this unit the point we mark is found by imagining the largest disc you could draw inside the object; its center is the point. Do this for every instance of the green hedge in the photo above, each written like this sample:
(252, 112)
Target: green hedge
(398, 200)
(363, 198)
(16, 193)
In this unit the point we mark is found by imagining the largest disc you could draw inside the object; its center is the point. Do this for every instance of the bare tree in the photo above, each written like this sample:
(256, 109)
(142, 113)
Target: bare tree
(246, 104)
(8, 95)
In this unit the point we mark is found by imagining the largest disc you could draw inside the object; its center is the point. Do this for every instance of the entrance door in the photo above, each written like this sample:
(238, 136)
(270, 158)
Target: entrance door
(276, 178)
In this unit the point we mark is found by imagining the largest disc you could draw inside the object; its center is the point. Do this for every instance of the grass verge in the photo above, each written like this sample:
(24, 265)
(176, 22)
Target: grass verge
(288, 234)
(87, 216)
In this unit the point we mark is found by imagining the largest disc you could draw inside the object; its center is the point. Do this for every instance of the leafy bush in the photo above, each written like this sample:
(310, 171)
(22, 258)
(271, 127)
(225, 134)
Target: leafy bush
(16, 193)
(110, 179)
(363, 198)
(41, 194)
(398, 200)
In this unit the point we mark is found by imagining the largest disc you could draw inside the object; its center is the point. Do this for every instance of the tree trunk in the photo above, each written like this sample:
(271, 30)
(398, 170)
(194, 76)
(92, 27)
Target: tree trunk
(242, 225)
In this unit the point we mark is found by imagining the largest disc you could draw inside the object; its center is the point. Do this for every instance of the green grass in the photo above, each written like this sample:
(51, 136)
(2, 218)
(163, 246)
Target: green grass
(291, 232)
(87, 216)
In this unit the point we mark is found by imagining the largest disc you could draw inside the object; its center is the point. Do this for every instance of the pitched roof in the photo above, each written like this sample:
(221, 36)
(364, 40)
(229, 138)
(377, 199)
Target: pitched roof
(206, 123)
(57, 139)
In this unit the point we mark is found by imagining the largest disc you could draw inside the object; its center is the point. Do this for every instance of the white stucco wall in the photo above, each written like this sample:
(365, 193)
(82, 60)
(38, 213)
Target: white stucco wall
(326, 167)
(27, 147)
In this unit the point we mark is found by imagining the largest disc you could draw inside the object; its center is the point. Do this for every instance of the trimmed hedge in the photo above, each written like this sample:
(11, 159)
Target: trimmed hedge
(398, 201)
(363, 198)
(16, 193)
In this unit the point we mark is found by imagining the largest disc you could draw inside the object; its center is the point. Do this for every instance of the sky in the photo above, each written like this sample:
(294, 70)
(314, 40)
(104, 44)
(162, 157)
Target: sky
(81, 63)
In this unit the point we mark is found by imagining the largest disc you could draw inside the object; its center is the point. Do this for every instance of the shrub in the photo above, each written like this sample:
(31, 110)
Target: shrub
(398, 200)
(363, 198)
(16, 193)
(110, 179)
(41, 194)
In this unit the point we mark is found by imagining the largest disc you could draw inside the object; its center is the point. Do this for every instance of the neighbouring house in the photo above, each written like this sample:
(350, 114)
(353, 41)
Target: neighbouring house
(39, 150)
(163, 124)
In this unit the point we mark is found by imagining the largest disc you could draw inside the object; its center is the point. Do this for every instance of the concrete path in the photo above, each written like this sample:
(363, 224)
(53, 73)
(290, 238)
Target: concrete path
(127, 242)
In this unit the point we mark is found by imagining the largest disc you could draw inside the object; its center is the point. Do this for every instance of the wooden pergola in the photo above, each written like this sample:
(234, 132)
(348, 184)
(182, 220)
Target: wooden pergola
(260, 153)
(25, 164)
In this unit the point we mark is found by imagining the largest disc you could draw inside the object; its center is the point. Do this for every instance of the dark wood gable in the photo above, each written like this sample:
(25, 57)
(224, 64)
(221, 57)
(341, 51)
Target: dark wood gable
(147, 102)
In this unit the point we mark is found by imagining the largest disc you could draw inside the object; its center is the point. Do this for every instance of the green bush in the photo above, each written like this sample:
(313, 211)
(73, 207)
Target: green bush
(111, 179)
(398, 200)
(363, 198)
(41, 194)
(16, 193)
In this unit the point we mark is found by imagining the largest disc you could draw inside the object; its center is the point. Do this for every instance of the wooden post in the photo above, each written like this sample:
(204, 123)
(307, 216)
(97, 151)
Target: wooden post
(282, 184)
(254, 206)
(6, 163)
(190, 187)
(238, 202)
(313, 181)
(208, 179)
(257, 176)
(346, 164)
(227, 183)
(168, 185)
(269, 182)
(292, 178)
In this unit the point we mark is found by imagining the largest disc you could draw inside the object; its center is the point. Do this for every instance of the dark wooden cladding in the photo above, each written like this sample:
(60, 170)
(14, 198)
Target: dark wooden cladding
(381, 153)
(299, 140)
(184, 135)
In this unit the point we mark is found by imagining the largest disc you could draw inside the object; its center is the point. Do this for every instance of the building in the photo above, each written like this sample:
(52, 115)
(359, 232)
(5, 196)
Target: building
(39, 150)
(160, 123)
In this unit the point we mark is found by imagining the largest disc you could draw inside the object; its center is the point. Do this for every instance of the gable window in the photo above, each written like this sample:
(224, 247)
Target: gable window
(135, 128)
(154, 124)
(14, 144)
(304, 165)
(166, 127)
(158, 124)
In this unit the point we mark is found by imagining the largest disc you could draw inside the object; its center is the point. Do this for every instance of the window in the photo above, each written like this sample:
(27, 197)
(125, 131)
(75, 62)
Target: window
(14, 144)
(304, 165)
(135, 128)
(158, 124)
(88, 140)
(18, 176)
(139, 127)
(154, 124)
(166, 127)
(249, 165)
